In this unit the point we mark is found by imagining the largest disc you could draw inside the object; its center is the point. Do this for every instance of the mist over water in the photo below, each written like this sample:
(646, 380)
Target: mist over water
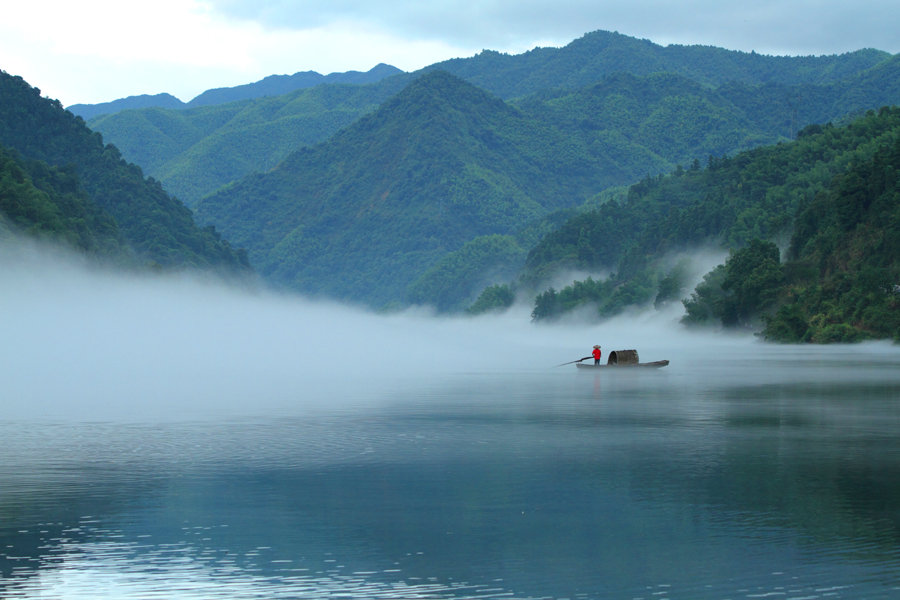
(169, 436)
(117, 345)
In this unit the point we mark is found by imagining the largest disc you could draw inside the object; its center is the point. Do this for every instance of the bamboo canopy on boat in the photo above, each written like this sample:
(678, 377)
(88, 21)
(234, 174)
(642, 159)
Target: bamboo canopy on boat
(623, 357)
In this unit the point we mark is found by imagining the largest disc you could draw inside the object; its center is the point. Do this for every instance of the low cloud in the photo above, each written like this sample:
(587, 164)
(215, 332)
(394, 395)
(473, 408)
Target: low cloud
(82, 342)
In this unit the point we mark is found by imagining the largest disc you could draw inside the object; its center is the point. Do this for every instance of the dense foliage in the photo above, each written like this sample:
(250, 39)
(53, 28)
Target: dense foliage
(640, 107)
(424, 188)
(738, 292)
(194, 152)
(843, 273)
(327, 220)
(835, 189)
(494, 298)
(366, 214)
(454, 281)
(47, 202)
(88, 193)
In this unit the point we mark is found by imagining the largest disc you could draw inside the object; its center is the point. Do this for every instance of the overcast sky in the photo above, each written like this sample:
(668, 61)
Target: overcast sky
(91, 51)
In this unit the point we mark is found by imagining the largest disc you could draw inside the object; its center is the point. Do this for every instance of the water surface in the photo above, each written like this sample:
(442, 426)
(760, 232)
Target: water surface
(739, 471)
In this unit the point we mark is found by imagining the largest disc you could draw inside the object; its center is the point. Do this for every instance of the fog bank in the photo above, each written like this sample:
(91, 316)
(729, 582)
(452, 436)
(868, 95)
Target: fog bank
(82, 342)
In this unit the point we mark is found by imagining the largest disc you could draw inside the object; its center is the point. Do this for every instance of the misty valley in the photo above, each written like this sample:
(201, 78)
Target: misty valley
(319, 336)
(570, 179)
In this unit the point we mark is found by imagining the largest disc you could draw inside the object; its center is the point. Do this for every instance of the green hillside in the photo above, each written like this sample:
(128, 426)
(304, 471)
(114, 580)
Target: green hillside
(60, 180)
(423, 188)
(582, 87)
(330, 219)
(649, 125)
(842, 277)
(834, 190)
(194, 152)
(678, 119)
(362, 215)
(48, 202)
(631, 126)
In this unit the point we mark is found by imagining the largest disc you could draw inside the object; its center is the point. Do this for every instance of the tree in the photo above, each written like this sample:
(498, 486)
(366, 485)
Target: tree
(739, 292)
(706, 303)
(496, 297)
(753, 277)
(546, 305)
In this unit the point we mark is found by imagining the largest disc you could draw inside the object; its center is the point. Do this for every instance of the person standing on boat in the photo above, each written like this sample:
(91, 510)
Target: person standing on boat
(596, 354)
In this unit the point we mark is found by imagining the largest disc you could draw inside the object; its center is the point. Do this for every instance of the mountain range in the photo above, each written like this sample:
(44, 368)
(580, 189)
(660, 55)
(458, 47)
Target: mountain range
(273, 85)
(194, 152)
(425, 187)
(435, 166)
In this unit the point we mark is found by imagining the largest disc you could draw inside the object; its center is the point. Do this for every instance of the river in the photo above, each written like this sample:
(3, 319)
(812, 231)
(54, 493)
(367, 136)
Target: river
(751, 472)
(168, 437)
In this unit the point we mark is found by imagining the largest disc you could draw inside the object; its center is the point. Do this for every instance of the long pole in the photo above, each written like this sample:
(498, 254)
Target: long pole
(575, 361)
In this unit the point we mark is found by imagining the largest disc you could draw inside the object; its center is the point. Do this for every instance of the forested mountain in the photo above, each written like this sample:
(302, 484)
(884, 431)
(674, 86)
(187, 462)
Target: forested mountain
(361, 216)
(164, 100)
(582, 87)
(842, 277)
(423, 188)
(599, 54)
(58, 179)
(834, 193)
(676, 119)
(48, 202)
(276, 85)
(273, 85)
(195, 152)
(605, 134)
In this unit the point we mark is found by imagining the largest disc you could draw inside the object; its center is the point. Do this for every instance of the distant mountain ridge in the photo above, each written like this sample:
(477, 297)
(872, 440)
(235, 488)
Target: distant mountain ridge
(194, 152)
(273, 85)
(276, 85)
(598, 54)
(89, 111)
(581, 62)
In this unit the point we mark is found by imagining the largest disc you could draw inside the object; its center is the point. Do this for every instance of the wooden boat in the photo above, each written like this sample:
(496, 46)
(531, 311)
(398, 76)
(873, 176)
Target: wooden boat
(624, 358)
(653, 365)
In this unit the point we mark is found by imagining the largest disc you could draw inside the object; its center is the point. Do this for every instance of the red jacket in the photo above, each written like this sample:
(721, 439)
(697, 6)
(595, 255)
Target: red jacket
(596, 353)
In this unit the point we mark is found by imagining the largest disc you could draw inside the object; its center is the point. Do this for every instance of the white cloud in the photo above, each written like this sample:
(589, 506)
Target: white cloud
(175, 31)
(98, 50)
(89, 49)
(102, 44)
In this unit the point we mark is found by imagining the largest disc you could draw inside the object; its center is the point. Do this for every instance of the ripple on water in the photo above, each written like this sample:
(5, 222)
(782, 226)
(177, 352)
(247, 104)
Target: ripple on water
(658, 486)
(183, 572)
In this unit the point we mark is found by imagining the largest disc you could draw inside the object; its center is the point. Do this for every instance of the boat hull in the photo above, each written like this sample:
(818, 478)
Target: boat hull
(651, 365)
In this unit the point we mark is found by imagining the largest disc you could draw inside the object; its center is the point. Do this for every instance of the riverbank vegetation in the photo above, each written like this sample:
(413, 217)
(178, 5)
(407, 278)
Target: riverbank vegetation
(831, 198)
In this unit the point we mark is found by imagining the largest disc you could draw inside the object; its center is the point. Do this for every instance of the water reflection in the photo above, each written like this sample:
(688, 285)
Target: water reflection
(745, 476)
